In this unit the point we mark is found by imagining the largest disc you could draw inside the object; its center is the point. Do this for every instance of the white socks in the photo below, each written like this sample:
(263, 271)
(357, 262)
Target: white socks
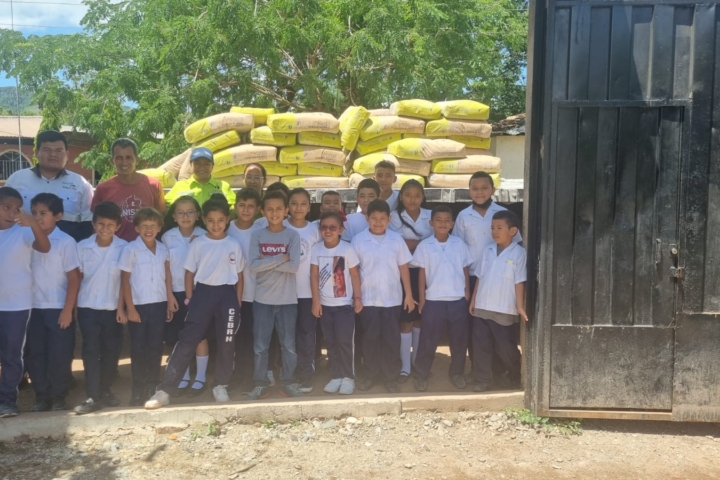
(186, 379)
(405, 344)
(415, 343)
(202, 363)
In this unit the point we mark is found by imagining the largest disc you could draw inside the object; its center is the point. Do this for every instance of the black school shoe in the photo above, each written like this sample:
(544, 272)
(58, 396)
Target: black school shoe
(42, 406)
(109, 400)
(480, 387)
(8, 410)
(404, 377)
(58, 404)
(420, 384)
(392, 387)
(364, 385)
(88, 406)
(196, 392)
(459, 381)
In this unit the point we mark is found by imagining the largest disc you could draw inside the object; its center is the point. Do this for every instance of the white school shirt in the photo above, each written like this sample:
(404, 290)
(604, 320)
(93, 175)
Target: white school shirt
(497, 278)
(356, 223)
(215, 262)
(243, 238)
(15, 275)
(309, 236)
(75, 192)
(334, 265)
(50, 270)
(421, 225)
(147, 271)
(476, 231)
(100, 287)
(380, 258)
(392, 201)
(444, 265)
(178, 245)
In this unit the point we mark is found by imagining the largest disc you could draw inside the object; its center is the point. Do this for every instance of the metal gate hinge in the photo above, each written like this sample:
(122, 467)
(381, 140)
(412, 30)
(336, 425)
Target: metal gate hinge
(677, 272)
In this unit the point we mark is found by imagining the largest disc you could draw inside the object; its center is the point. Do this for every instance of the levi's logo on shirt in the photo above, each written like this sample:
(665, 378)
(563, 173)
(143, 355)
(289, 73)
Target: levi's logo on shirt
(271, 249)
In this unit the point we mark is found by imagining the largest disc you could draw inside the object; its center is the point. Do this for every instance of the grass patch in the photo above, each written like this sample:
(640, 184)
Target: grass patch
(529, 419)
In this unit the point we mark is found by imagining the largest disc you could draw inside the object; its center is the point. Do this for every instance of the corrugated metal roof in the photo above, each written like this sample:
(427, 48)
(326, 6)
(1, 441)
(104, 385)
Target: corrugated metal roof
(29, 126)
(514, 125)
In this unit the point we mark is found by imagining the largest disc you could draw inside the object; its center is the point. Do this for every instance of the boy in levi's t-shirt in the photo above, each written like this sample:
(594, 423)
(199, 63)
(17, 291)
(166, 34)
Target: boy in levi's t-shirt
(275, 257)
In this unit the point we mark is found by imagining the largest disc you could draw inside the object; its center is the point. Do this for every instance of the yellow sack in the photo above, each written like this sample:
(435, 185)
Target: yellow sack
(445, 127)
(456, 180)
(351, 122)
(469, 164)
(220, 141)
(413, 135)
(380, 112)
(175, 164)
(477, 151)
(218, 123)
(413, 166)
(465, 109)
(472, 142)
(265, 136)
(319, 169)
(376, 144)
(303, 122)
(259, 114)
(242, 155)
(302, 154)
(238, 181)
(166, 178)
(424, 109)
(316, 182)
(356, 178)
(377, 126)
(319, 139)
(366, 165)
(426, 149)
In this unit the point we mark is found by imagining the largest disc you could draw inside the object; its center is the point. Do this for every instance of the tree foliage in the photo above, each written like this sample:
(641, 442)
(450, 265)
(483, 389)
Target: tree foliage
(174, 61)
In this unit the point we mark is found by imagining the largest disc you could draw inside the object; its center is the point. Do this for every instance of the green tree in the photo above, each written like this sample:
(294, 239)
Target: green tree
(174, 61)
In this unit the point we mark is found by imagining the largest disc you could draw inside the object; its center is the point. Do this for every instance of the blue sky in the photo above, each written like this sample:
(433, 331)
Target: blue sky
(41, 17)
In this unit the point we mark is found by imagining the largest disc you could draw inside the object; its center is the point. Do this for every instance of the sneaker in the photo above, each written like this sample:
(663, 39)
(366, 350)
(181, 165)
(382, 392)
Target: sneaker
(58, 404)
(109, 400)
(271, 377)
(88, 406)
(459, 382)
(220, 394)
(392, 387)
(347, 387)
(291, 390)
(420, 384)
(305, 386)
(404, 377)
(481, 387)
(159, 400)
(258, 393)
(42, 406)
(8, 410)
(333, 385)
(365, 385)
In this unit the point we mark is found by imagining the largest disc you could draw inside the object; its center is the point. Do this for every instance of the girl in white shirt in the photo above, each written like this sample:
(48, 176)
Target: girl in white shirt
(184, 219)
(412, 222)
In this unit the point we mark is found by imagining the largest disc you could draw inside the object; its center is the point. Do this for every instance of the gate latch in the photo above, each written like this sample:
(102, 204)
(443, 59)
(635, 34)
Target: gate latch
(677, 272)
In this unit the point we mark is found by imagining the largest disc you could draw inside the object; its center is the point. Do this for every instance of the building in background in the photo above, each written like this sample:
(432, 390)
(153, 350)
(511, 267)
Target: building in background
(13, 159)
(509, 144)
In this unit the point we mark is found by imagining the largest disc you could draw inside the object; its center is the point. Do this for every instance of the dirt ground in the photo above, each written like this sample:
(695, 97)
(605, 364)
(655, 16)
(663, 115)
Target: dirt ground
(418, 445)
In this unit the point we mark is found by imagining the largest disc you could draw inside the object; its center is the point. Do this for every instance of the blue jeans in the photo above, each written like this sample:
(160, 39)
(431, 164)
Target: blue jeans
(281, 318)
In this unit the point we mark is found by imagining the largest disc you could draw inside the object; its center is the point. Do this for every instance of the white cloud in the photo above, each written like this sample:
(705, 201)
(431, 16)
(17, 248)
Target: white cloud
(66, 18)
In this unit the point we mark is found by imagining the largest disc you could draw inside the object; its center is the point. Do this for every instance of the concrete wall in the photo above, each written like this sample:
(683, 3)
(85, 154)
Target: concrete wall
(511, 149)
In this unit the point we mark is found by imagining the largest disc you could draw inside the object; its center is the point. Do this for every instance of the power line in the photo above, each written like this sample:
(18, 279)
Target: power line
(39, 26)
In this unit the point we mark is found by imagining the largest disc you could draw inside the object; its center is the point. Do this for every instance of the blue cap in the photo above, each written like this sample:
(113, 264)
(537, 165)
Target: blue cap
(202, 152)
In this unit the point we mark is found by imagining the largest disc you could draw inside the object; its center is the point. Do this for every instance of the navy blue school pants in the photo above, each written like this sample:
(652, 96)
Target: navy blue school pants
(173, 327)
(102, 337)
(13, 326)
(338, 326)
(436, 316)
(305, 338)
(244, 350)
(146, 346)
(490, 338)
(211, 305)
(381, 342)
(49, 354)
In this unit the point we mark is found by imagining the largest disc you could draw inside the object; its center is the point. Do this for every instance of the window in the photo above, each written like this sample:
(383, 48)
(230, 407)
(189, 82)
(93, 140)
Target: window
(10, 162)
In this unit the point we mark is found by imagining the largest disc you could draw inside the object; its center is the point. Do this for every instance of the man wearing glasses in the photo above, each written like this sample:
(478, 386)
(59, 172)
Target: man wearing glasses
(129, 189)
(201, 185)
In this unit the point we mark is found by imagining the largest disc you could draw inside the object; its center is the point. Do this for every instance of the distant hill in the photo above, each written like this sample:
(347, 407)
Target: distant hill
(8, 103)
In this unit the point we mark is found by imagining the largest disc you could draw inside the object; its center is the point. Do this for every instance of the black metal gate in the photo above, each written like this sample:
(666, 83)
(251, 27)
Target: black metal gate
(623, 180)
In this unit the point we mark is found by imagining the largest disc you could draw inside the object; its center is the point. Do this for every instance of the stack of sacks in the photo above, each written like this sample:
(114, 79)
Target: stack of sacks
(317, 160)
(463, 121)
(457, 173)
(412, 158)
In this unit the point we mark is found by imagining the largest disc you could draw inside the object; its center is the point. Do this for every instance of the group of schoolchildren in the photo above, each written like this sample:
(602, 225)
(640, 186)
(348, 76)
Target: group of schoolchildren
(385, 284)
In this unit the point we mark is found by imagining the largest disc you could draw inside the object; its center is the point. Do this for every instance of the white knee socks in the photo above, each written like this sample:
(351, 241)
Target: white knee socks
(186, 379)
(405, 344)
(415, 343)
(202, 363)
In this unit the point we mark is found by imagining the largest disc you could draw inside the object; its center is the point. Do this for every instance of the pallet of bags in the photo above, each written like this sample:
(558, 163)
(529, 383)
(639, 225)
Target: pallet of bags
(463, 121)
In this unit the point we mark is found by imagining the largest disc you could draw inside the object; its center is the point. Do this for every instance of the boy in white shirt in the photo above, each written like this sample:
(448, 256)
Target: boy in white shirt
(16, 244)
(147, 286)
(367, 191)
(384, 272)
(385, 177)
(101, 308)
(51, 332)
(497, 302)
(444, 280)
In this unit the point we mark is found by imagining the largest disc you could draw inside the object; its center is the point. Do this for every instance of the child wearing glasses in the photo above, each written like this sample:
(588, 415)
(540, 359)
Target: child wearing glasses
(184, 219)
